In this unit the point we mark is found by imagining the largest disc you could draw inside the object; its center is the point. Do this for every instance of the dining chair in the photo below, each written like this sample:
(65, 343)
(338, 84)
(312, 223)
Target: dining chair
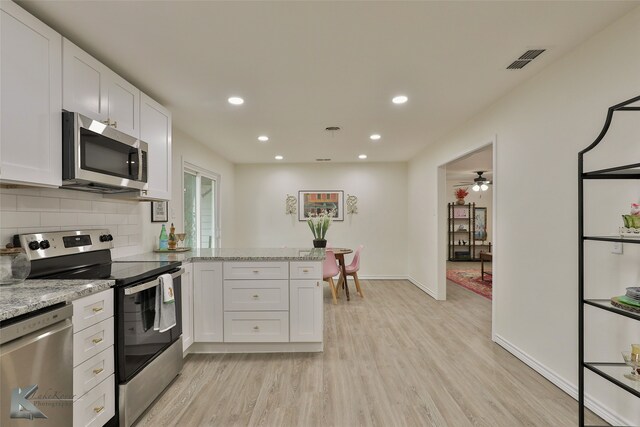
(352, 269)
(329, 271)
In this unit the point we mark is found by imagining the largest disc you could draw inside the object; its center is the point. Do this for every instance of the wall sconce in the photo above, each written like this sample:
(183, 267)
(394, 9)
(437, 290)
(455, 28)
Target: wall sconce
(291, 205)
(352, 204)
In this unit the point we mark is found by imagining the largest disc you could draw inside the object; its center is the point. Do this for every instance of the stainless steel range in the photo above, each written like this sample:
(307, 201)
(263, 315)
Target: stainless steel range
(146, 360)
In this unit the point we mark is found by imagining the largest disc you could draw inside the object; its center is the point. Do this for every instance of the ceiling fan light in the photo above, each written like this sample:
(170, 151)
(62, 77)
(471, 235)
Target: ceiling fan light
(484, 187)
(476, 187)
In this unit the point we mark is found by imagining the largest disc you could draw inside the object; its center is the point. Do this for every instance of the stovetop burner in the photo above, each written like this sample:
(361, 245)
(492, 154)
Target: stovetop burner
(124, 273)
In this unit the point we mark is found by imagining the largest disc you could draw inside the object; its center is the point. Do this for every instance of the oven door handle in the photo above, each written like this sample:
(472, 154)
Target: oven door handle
(148, 285)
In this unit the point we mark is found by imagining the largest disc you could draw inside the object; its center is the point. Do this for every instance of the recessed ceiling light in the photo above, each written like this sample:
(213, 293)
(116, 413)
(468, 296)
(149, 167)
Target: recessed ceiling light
(279, 157)
(362, 156)
(263, 138)
(400, 99)
(375, 137)
(235, 100)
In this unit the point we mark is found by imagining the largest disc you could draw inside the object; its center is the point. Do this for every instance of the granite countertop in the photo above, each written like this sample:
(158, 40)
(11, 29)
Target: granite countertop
(33, 295)
(232, 254)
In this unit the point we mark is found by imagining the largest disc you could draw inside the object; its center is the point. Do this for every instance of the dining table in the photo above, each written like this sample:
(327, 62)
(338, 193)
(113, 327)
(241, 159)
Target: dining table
(340, 253)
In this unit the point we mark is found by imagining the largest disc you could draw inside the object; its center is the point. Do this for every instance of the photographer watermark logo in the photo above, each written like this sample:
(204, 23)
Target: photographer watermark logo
(21, 407)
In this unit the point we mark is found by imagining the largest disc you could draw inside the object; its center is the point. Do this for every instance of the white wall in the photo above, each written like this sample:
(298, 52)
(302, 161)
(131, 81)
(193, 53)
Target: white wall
(381, 222)
(189, 150)
(540, 127)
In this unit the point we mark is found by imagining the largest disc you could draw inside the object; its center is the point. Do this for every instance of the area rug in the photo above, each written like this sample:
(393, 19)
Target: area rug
(471, 280)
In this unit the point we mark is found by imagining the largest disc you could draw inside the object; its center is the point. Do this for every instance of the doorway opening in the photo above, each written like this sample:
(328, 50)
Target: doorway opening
(467, 207)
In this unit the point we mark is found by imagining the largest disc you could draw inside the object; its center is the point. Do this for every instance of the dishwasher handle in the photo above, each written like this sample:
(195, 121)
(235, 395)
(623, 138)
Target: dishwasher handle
(150, 284)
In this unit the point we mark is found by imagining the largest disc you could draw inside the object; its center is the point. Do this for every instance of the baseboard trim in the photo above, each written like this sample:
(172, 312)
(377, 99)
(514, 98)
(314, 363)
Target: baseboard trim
(382, 277)
(422, 287)
(572, 390)
(289, 347)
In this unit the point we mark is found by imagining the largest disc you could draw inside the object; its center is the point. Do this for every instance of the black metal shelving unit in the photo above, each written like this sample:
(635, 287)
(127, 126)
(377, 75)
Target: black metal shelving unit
(612, 372)
(455, 235)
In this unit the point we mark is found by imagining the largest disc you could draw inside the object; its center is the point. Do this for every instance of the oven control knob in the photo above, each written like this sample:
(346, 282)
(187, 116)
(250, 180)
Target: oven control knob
(109, 237)
(45, 244)
(104, 238)
(33, 245)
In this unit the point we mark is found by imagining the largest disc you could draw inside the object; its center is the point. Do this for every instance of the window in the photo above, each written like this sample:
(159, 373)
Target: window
(201, 207)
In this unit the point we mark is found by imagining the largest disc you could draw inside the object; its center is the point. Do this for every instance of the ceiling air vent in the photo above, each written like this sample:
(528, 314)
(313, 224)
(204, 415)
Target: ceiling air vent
(525, 58)
(323, 160)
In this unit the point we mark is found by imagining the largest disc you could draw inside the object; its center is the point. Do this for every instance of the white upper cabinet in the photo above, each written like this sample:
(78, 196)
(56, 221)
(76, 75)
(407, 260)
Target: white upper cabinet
(92, 89)
(155, 130)
(31, 101)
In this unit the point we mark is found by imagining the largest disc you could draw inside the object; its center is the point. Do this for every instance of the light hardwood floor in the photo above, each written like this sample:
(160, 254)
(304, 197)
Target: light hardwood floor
(395, 358)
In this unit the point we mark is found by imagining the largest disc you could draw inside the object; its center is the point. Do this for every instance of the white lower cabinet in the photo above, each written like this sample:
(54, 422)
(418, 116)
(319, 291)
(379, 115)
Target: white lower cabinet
(207, 302)
(260, 303)
(256, 326)
(93, 360)
(187, 306)
(305, 310)
(97, 406)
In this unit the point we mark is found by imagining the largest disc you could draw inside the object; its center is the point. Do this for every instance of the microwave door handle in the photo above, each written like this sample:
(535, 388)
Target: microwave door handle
(139, 164)
(150, 284)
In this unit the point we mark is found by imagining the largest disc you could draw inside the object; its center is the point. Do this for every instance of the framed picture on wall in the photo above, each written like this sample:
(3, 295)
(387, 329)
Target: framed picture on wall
(480, 232)
(316, 202)
(159, 211)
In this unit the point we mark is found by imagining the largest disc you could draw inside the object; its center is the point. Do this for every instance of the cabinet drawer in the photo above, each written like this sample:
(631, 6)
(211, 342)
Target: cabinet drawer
(306, 270)
(256, 270)
(90, 310)
(255, 295)
(92, 340)
(256, 326)
(96, 407)
(93, 371)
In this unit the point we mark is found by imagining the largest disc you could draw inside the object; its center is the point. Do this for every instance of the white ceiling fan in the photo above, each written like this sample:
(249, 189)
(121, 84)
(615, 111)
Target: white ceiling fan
(480, 183)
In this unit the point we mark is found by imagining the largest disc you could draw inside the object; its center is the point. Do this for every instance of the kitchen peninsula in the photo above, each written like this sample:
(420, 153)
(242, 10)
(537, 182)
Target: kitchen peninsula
(249, 300)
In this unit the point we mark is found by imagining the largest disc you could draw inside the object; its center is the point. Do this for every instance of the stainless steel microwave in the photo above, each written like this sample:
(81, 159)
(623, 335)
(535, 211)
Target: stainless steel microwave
(98, 158)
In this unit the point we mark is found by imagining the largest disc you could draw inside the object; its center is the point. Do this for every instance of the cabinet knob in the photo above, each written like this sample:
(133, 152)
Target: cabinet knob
(97, 371)
(96, 340)
(98, 409)
(97, 309)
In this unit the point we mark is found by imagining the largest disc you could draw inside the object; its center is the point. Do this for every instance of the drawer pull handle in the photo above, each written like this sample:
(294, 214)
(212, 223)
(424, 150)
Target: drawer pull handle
(98, 409)
(97, 371)
(256, 296)
(305, 271)
(96, 340)
(256, 271)
(256, 328)
(97, 309)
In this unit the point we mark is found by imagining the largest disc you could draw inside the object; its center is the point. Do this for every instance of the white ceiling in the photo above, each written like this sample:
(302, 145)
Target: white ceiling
(464, 169)
(302, 66)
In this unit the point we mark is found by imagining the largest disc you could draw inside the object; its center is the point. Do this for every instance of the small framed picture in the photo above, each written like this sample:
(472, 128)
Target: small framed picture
(159, 212)
(315, 202)
(460, 212)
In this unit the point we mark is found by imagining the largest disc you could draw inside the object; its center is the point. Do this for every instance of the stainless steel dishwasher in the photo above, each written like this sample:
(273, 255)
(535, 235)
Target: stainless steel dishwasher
(36, 369)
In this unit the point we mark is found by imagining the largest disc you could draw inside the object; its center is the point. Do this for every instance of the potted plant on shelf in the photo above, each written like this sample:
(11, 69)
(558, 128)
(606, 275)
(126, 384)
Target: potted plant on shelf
(461, 193)
(319, 224)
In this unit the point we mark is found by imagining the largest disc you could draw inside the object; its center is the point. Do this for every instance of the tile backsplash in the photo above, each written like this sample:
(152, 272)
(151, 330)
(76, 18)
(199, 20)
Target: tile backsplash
(29, 210)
